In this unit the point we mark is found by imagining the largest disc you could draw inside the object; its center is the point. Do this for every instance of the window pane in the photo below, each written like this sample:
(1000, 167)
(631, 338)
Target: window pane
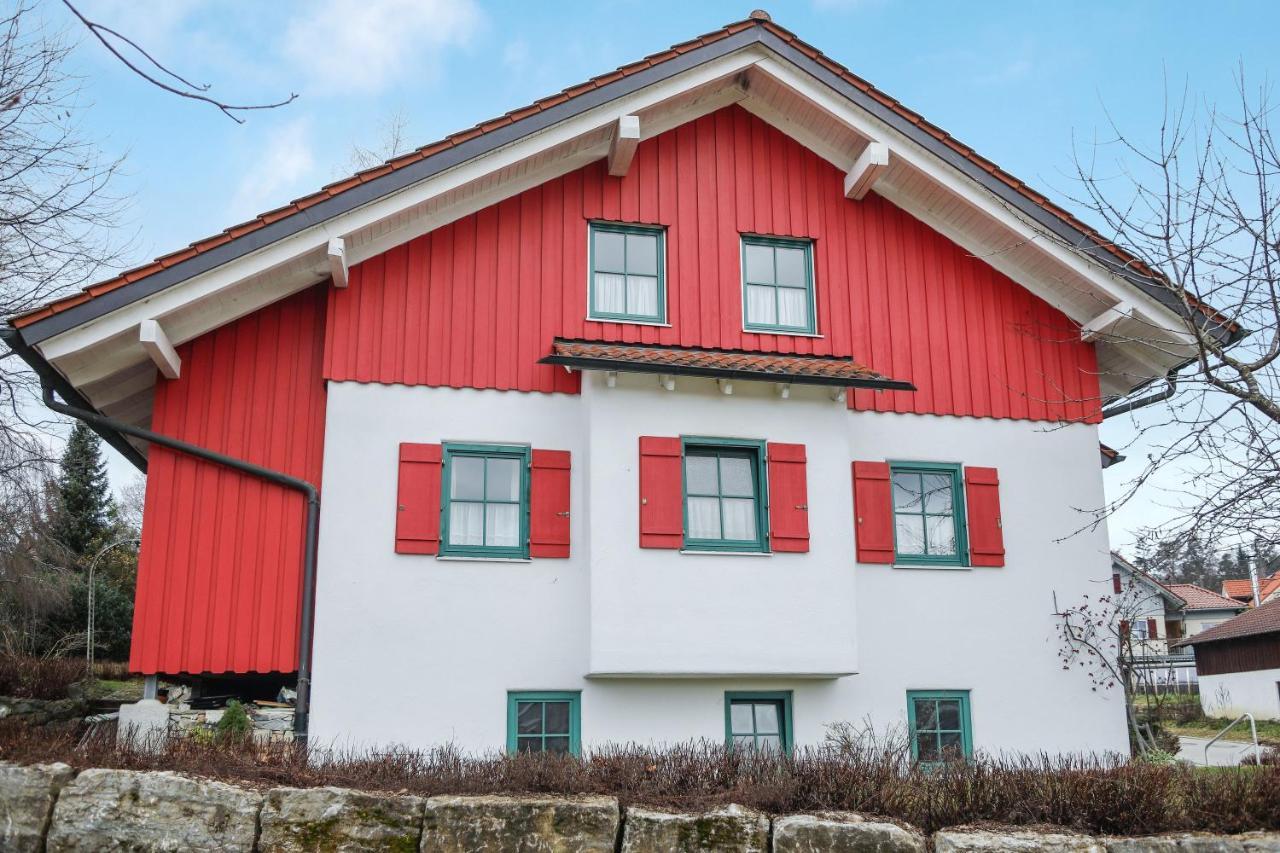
(910, 532)
(642, 254)
(906, 492)
(926, 714)
(642, 296)
(744, 741)
(467, 478)
(791, 267)
(502, 525)
(558, 745)
(502, 480)
(937, 493)
(608, 251)
(704, 518)
(949, 714)
(735, 477)
(466, 523)
(759, 261)
(942, 535)
(739, 518)
(793, 308)
(740, 720)
(767, 718)
(927, 746)
(610, 295)
(952, 746)
(557, 718)
(769, 743)
(761, 308)
(528, 718)
(700, 475)
(529, 744)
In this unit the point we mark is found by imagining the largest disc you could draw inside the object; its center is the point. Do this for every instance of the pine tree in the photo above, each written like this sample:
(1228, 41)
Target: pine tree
(84, 511)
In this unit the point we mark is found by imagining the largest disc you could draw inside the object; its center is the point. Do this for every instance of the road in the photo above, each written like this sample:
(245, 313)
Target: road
(1224, 753)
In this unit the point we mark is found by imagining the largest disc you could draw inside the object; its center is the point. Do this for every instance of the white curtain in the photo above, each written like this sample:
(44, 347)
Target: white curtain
(466, 523)
(760, 305)
(503, 528)
(739, 518)
(642, 296)
(792, 307)
(704, 518)
(610, 293)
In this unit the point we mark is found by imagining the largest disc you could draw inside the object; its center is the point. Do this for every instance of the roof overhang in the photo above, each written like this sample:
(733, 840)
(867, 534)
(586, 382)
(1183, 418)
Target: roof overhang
(95, 347)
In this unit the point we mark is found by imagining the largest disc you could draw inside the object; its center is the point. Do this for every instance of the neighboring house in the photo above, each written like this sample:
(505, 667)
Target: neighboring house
(1238, 663)
(1204, 609)
(1150, 614)
(720, 396)
(1242, 589)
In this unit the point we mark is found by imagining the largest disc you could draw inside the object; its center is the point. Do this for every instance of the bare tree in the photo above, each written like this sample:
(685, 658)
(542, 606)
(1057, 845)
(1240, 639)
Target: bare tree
(1198, 208)
(391, 143)
(56, 211)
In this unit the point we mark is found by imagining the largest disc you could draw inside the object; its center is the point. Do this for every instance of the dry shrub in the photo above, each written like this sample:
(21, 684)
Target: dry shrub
(871, 777)
(38, 678)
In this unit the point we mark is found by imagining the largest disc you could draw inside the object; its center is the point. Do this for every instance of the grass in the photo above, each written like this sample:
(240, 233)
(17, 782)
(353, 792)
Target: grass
(853, 772)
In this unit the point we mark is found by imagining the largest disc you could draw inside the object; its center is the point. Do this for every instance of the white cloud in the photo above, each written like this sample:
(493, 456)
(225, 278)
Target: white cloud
(515, 56)
(284, 161)
(361, 45)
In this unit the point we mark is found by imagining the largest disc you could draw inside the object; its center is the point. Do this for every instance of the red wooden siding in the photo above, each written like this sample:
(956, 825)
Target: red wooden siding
(219, 576)
(476, 303)
(418, 495)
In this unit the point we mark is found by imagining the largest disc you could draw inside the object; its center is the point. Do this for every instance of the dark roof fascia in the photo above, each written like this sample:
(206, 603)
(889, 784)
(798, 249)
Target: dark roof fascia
(622, 366)
(1071, 235)
(385, 185)
(73, 397)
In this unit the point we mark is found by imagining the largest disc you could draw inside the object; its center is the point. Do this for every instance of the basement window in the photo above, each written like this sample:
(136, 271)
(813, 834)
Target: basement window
(939, 724)
(544, 722)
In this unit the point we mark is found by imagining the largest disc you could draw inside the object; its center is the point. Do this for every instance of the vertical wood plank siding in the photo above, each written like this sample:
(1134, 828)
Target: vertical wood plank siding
(477, 302)
(219, 576)
(1241, 654)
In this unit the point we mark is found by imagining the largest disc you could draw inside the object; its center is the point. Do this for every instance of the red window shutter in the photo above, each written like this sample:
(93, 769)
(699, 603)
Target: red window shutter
(1116, 585)
(549, 504)
(1152, 633)
(661, 498)
(873, 512)
(418, 499)
(986, 536)
(1124, 629)
(788, 498)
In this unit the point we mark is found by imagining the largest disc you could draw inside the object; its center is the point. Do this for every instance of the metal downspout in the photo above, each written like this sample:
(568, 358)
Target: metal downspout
(1171, 386)
(302, 705)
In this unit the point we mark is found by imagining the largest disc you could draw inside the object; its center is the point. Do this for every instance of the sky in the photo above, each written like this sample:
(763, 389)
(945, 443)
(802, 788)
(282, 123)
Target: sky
(1025, 83)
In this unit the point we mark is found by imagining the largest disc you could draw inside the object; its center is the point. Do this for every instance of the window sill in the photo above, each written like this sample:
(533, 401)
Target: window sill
(942, 567)
(462, 558)
(782, 333)
(654, 323)
(712, 553)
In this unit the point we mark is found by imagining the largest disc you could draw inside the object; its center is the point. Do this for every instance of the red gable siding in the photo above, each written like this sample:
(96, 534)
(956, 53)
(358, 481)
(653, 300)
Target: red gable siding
(477, 302)
(219, 576)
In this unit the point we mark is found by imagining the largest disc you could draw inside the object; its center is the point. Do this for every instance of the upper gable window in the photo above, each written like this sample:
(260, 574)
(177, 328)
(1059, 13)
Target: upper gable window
(627, 281)
(777, 285)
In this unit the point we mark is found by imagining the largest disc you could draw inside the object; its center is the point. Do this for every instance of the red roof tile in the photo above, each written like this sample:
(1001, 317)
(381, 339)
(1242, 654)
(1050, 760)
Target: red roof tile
(820, 369)
(1199, 598)
(1258, 620)
(545, 103)
(1242, 588)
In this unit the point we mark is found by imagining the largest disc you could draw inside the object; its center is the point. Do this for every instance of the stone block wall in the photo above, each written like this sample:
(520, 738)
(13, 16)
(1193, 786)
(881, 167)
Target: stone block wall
(49, 807)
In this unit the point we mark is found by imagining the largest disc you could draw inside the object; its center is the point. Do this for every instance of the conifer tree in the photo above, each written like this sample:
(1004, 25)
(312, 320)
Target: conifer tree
(84, 510)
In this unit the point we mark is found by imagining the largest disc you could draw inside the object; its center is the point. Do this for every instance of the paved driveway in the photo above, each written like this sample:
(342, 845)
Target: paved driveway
(1224, 753)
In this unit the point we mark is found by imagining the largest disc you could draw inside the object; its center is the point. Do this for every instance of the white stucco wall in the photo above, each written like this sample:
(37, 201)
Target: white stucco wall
(1236, 693)
(416, 650)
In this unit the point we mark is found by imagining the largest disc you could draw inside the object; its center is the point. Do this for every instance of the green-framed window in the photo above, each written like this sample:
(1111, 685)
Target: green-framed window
(939, 724)
(628, 271)
(724, 506)
(777, 285)
(544, 721)
(928, 514)
(758, 720)
(486, 501)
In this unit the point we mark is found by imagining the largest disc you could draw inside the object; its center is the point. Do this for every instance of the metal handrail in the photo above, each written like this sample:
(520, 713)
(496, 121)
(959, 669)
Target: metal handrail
(1253, 728)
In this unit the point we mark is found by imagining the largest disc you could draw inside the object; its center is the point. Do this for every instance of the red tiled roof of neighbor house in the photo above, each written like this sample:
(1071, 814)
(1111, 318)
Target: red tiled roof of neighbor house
(756, 19)
(1242, 588)
(714, 362)
(1199, 598)
(1258, 620)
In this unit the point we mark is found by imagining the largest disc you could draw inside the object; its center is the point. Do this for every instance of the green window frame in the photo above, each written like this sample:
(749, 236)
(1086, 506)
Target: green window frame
(938, 721)
(771, 280)
(913, 486)
(726, 494)
(623, 250)
(544, 721)
(492, 500)
(752, 722)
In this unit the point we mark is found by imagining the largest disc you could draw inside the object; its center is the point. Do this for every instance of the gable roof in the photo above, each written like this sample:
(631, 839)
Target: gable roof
(1199, 598)
(1257, 620)
(1242, 588)
(1118, 561)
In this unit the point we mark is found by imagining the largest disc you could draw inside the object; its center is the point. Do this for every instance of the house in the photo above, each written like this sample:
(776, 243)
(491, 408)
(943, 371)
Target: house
(1204, 609)
(1150, 613)
(721, 396)
(1238, 663)
(1241, 589)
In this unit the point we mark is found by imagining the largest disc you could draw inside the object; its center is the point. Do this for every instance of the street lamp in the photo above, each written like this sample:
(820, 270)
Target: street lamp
(93, 565)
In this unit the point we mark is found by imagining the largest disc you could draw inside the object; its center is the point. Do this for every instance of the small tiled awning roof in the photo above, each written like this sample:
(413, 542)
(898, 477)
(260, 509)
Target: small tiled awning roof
(719, 364)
